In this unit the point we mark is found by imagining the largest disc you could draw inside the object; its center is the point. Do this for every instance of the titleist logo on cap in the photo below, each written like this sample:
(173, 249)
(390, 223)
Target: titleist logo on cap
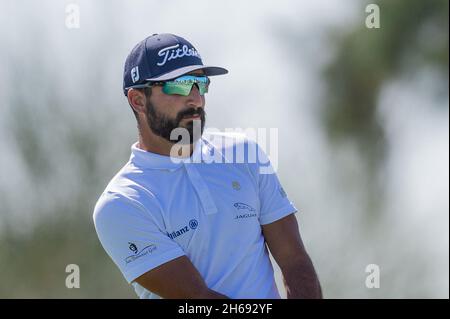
(174, 52)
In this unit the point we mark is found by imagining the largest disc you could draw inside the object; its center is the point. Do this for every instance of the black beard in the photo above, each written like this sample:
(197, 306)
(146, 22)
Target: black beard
(163, 126)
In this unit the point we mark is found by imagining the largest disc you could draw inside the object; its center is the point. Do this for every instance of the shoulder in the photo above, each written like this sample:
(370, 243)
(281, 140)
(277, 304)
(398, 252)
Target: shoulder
(227, 139)
(232, 145)
(239, 148)
(125, 196)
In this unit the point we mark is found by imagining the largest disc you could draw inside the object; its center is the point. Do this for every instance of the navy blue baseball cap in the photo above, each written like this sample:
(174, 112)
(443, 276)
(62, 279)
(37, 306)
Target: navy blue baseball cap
(162, 57)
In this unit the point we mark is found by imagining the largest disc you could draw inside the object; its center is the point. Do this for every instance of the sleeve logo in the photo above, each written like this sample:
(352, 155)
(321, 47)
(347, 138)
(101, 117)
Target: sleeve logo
(133, 248)
(138, 254)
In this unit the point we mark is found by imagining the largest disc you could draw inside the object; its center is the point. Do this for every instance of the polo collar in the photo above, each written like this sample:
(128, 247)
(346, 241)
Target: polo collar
(146, 159)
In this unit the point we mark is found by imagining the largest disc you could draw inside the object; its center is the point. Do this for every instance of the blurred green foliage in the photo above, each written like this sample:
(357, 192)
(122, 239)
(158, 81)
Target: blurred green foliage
(33, 262)
(413, 37)
(412, 34)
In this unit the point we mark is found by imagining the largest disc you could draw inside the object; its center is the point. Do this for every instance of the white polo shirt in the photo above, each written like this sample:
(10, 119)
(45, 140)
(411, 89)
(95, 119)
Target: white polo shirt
(156, 209)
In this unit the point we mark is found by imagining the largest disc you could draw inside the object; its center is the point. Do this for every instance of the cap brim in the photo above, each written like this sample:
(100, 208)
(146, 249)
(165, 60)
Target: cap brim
(209, 71)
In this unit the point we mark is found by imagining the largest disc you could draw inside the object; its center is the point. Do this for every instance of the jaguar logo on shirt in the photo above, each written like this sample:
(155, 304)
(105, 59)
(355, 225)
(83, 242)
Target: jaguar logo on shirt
(247, 211)
(242, 206)
(244, 216)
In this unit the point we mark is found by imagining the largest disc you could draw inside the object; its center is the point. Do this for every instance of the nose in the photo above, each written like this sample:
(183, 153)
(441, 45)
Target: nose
(194, 97)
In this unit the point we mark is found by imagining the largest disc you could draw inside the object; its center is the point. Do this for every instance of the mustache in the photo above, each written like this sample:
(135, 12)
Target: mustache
(191, 112)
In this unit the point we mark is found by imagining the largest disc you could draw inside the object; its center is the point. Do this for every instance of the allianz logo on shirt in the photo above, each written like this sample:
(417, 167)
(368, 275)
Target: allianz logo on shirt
(193, 223)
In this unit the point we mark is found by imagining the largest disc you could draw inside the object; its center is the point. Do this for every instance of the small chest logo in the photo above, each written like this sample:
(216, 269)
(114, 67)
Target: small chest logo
(236, 185)
(245, 211)
(243, 206)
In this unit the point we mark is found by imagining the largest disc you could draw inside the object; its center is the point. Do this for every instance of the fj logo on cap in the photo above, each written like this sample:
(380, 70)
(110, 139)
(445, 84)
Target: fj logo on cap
(170, 53)
(135, 74)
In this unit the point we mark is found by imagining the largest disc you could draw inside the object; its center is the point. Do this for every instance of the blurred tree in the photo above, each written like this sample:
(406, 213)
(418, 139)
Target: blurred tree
(413, 33)
(57, 135)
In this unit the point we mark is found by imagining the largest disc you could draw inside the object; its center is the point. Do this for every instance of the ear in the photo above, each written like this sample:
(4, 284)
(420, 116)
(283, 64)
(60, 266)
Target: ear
(137, 100)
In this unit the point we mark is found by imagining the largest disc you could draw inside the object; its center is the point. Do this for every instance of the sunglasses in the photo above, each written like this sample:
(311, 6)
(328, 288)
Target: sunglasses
(181, 85)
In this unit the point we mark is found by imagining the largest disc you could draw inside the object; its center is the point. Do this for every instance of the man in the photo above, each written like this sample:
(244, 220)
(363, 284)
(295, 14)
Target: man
(179, 225)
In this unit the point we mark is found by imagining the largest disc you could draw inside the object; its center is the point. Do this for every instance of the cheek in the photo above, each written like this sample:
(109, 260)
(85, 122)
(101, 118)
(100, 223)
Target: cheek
(166, 104)
(172, 106)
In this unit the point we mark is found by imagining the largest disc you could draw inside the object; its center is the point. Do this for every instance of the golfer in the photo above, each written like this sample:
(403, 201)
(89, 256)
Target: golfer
(186, 217)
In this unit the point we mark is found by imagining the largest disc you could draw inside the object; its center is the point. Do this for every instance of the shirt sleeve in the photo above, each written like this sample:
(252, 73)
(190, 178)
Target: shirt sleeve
(131, 236)
(274, 202)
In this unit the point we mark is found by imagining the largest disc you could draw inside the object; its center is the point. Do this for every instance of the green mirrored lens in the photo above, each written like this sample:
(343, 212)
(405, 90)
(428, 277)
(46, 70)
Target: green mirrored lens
(203, 88)
(183, 85)
(177, 88)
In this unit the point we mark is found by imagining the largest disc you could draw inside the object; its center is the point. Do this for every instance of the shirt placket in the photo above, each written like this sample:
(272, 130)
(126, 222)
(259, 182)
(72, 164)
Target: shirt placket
(202, 189)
